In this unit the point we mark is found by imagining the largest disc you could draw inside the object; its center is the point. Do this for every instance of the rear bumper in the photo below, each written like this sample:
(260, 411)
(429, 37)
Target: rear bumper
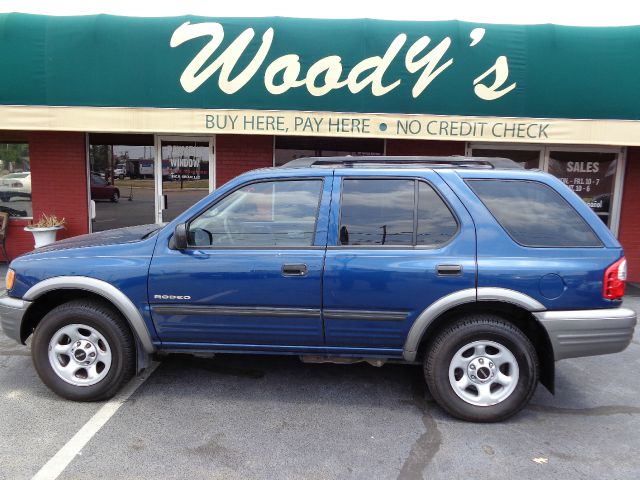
(581, 333)
(11, 312)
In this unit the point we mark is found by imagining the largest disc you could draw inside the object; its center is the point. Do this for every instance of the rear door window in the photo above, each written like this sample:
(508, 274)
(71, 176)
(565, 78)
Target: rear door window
(534, 214)
(379, 212)
(436, 223)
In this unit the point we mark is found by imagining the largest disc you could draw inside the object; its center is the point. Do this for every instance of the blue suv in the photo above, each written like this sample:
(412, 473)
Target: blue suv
(482, 272)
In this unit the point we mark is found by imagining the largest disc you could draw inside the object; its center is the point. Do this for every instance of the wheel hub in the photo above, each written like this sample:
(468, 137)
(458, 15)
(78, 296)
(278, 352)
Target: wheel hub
(483, 373)
(84, 352)
(481, 370)
(80, 355)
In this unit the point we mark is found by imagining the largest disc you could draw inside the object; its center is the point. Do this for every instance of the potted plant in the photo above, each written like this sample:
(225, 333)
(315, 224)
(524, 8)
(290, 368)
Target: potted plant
(45, 229)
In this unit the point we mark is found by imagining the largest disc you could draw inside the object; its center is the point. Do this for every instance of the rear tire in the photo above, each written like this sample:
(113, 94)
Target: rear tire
(115, 197)
(83, 350)
(481, 369)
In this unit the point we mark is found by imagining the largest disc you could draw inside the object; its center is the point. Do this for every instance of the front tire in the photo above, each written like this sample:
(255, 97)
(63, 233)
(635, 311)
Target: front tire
(115, 197)
(481, 369)
(83, 350)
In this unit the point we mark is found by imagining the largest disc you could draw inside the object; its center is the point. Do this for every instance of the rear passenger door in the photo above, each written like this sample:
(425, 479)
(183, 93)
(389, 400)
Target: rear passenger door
(396, 245)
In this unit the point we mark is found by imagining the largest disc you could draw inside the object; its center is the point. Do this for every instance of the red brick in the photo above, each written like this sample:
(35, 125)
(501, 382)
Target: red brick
(58, 184)
(629, 232)
(236, 154)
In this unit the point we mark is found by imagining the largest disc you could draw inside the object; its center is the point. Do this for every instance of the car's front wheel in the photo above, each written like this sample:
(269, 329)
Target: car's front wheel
(481, 369)
(83, 350)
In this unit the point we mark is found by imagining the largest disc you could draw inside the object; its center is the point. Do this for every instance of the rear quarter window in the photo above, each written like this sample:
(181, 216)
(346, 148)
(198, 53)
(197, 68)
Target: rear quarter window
(534, 214)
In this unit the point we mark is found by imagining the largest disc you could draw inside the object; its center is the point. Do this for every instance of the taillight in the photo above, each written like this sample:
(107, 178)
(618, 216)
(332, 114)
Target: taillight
(614, 279)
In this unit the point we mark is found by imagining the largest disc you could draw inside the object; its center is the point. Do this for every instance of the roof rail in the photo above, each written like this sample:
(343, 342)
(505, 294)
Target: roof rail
(428, 162)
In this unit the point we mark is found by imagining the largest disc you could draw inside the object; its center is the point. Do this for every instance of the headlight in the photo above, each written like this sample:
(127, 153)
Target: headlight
(11, 276)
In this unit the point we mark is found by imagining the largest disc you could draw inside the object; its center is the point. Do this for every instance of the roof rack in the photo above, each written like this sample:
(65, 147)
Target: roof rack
(428, 162)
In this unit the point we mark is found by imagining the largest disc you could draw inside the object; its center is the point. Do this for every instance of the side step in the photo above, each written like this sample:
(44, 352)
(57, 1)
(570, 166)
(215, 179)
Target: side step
(376, 362)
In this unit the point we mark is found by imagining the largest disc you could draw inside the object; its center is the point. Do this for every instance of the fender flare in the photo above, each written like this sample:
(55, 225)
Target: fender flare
(469, 295)
(105, 290)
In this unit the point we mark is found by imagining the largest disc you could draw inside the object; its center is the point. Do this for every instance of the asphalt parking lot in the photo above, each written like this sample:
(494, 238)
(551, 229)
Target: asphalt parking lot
(275, 417)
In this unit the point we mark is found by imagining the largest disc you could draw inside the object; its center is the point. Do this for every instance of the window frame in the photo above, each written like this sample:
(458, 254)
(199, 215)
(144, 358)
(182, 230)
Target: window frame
(595, 234)
(21, 141)
(414, 245)
(320, 179)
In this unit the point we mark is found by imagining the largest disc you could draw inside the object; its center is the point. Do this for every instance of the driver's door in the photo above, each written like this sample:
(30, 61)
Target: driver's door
(251, 277)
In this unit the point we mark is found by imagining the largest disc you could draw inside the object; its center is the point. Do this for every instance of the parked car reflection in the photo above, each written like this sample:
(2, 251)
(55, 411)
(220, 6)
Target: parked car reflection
(101, 189)
(15, 185)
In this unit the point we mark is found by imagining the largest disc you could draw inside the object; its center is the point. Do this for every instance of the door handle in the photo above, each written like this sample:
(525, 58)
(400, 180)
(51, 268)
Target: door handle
(294, 270)
(449, 269)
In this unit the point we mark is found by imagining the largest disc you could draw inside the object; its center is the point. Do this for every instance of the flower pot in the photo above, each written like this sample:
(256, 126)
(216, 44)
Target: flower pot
(43, 235)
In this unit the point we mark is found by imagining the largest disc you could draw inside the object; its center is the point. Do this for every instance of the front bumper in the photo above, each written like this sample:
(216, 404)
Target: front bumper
(581, 333)
(12, 311)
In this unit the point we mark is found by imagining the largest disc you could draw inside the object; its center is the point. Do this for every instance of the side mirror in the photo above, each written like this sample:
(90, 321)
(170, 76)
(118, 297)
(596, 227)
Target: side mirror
(179, 240)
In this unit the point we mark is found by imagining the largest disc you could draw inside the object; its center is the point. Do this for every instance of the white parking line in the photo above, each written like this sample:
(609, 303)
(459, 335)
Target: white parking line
(56, 465)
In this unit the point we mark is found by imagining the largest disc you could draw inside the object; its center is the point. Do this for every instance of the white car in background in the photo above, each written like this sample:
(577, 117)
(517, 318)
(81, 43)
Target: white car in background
(15, 185)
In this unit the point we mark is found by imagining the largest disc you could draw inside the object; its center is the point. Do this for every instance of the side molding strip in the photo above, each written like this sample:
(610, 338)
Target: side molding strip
(104, 289)
(235, 311)
(483, 294)
(368, 315)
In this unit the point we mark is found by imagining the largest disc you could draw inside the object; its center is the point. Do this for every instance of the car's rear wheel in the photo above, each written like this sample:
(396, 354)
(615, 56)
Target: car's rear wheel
(83, 350)
(481, 368)
(115, 197)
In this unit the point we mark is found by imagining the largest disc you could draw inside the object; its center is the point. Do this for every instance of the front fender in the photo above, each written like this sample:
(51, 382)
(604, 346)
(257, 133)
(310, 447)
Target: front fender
(105, 290)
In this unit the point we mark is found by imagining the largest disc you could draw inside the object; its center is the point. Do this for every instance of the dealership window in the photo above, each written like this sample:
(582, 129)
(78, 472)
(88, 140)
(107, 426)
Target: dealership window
(122, 181)
(290, 148)
(592, 173)
(15, 179)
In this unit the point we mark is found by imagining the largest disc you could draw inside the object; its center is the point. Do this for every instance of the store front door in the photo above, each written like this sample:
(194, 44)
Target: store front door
(184, 174)
(121, 180)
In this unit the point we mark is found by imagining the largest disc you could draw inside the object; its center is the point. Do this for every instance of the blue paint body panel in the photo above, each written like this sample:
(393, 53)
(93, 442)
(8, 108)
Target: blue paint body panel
(198, 299)
(391, 278)
(504, 263)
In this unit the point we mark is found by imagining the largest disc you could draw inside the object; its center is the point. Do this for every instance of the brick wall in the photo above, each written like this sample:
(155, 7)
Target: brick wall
(424, 147)
(629, 232)
(236, 154)
(58, 184)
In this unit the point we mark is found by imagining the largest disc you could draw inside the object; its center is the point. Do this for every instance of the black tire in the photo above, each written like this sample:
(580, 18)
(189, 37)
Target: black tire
(110, 325)
(464, 331)
(115, 197)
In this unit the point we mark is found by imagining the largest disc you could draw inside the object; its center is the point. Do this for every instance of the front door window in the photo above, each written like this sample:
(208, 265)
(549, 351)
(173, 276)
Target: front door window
(265, 214)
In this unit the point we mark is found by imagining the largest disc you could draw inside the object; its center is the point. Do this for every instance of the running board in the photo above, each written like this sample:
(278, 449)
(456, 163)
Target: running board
(376, 362)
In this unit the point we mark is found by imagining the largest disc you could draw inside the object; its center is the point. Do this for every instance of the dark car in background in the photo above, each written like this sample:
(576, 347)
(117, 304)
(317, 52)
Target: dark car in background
(102, 189)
